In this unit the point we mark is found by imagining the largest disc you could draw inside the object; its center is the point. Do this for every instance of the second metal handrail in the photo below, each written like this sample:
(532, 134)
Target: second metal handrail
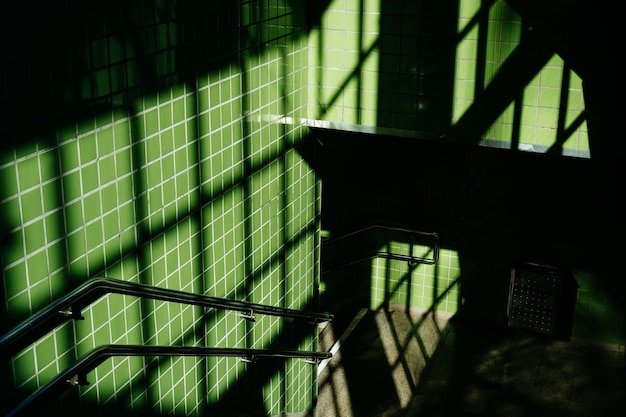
(76, 374)
(379, 254)
(69, 307)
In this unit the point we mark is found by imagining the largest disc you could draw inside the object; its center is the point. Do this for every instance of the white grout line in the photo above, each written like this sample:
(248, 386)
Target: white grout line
(337, 345)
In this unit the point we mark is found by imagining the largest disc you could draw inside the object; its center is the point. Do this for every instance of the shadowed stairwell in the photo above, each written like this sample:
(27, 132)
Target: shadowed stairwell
(421, 363)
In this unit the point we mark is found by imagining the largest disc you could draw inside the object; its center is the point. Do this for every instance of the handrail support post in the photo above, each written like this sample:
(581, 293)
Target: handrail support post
(69, 312)
(80, 379)
(249, 359)
(248, 315)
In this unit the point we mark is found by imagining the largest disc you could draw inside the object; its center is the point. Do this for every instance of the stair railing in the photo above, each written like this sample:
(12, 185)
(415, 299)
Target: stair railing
(75, 375)
(70, 305)
(410, 259)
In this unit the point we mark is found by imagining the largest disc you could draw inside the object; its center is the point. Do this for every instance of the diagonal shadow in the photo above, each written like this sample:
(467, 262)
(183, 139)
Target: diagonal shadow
(515, 74)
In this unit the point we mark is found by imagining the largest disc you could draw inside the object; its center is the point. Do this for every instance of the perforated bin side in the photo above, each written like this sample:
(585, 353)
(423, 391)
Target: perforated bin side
(535, 297)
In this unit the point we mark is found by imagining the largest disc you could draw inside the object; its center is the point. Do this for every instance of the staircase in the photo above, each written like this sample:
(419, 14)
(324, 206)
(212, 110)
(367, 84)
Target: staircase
(377, 361)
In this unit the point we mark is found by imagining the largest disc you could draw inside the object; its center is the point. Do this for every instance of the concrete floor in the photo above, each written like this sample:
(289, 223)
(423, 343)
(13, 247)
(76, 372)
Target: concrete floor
(393, 363)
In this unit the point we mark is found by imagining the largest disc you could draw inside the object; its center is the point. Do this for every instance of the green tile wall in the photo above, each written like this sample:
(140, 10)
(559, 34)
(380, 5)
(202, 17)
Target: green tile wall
(432, 283)
(422, 286)
(147, 150)
(419, 66)
(156, 142)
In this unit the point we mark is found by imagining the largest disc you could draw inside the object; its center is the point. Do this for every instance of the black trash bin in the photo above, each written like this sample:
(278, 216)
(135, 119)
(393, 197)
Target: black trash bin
(542, 299)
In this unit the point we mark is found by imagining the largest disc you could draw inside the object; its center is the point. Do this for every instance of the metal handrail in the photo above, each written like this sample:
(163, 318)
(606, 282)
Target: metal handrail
(378, 226)
(386, 255)
(408, 258)
(69, 306)
(75, 375)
